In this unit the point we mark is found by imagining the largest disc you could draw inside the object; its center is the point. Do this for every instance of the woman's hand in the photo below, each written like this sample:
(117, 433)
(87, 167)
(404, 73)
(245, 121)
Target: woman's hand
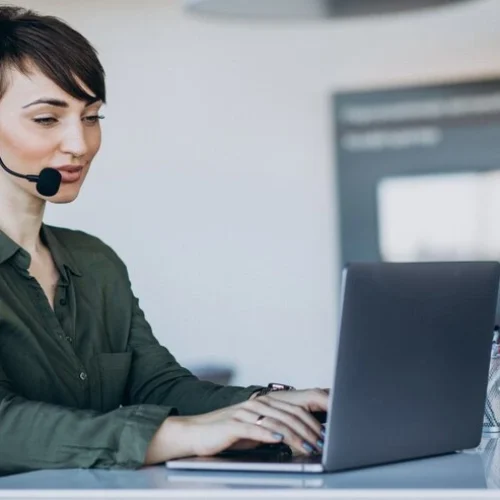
(273, 418)
(310, 399)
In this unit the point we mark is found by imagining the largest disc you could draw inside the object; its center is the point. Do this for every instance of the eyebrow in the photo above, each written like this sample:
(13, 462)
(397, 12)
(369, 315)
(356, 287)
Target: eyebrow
(57, 102)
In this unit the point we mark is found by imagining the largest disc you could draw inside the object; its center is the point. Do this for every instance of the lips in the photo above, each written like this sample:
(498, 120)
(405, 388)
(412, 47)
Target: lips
(70, 174)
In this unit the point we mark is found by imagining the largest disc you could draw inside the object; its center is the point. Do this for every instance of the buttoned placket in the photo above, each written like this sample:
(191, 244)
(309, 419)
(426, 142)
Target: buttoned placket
(64, 311)
(51, 316)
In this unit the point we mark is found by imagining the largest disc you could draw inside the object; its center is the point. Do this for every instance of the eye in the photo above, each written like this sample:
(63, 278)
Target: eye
(45, 121)
(93, 119)
(49, 120)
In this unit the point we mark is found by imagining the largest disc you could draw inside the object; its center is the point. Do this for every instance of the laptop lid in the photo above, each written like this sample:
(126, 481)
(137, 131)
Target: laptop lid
(412, 361)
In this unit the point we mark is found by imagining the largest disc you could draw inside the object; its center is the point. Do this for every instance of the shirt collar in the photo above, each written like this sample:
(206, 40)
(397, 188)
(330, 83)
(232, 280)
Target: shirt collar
(62, 257)
(8, 247)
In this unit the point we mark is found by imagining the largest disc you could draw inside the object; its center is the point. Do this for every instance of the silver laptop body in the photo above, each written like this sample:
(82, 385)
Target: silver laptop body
(410, 371)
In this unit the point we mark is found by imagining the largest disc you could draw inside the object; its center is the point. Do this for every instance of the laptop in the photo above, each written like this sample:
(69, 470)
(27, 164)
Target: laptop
(411, 366)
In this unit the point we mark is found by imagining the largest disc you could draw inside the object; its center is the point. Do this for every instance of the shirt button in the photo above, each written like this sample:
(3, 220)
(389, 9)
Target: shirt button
(69, 339)
(83, 376)
(63, 302)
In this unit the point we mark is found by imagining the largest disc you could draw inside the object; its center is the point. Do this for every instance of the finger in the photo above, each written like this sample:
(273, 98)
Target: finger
(244, 414)
(303, 424)
(314, 399)
(291, 438)
(249, 417)
(305, 416)
(241, 430)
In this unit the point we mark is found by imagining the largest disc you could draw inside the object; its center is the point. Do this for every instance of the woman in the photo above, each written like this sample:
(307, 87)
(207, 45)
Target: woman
(83, 381)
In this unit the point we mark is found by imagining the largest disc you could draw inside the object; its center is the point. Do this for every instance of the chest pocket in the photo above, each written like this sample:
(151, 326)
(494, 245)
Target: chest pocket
(108, 380)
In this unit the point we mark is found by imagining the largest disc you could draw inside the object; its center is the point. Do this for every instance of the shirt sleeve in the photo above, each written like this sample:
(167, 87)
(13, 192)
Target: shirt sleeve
(157, 378)
(37, 435)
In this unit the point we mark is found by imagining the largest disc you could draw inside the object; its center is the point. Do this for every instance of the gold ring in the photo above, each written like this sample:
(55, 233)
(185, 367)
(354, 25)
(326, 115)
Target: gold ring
(260, 419)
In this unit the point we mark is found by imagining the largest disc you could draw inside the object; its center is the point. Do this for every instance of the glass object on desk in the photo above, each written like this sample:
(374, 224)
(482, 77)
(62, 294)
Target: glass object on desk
(491, 422)
(489, 451)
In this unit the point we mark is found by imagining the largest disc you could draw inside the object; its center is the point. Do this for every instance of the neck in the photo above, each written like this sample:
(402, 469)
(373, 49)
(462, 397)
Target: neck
(21, 215)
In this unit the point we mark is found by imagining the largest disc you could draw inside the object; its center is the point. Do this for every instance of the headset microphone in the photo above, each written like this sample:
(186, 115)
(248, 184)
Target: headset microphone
(47, 181)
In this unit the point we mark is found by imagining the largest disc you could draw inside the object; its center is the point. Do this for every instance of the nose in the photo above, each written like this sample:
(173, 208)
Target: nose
(74, 140)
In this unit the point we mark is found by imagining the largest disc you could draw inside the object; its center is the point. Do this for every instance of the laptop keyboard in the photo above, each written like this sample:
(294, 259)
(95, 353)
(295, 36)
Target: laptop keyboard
(270, 453)
(275, 453)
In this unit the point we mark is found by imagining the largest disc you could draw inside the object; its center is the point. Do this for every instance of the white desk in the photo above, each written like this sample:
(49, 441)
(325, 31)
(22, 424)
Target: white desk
(469, 475)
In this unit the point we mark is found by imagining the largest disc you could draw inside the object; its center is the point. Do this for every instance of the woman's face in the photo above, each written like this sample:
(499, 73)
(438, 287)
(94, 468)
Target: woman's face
(63, 133)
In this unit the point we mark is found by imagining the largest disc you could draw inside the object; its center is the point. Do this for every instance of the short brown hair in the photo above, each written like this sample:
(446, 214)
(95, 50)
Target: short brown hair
(56, 49)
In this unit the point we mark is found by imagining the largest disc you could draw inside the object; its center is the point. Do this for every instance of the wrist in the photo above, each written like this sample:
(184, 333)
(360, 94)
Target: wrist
(170, 441)
(176, 435)
(272, 387)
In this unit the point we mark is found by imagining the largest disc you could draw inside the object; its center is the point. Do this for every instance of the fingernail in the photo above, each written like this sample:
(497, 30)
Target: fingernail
(307, 447)
(277, 435)
(320, 443)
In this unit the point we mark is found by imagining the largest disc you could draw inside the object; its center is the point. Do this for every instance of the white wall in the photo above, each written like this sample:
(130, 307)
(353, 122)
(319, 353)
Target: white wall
(215, 181)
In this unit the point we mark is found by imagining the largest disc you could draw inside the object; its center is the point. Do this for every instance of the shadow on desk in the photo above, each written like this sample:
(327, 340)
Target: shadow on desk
(457, 471)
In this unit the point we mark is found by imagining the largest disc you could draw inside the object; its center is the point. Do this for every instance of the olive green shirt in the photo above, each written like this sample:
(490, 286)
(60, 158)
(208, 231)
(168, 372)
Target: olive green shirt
(86, 384)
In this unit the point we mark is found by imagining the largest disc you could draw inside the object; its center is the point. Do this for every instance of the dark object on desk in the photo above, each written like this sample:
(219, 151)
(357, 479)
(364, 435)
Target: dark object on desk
(320, 416)
(279, 451)
(218, 374)
(411, 367)
(263, 452)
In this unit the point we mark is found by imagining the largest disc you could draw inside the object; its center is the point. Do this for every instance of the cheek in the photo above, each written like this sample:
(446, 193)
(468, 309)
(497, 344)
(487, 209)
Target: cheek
(32, 151)
(95, 142)
(21, 144)
(92, 141)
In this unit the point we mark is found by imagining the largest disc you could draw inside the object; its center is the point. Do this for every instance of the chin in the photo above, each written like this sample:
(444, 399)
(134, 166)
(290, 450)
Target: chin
(66, 194)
